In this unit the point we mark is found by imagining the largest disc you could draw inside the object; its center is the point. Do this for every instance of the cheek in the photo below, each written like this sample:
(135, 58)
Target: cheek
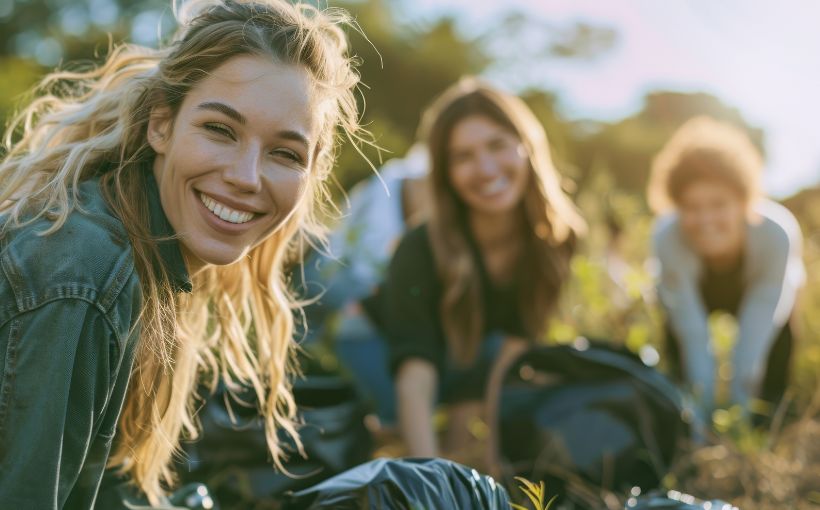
(519, 166)
(687, 216)
(290, 192)
(523, 171)
(736, 223)
(521, 175)
(689, 223)
(459, 177)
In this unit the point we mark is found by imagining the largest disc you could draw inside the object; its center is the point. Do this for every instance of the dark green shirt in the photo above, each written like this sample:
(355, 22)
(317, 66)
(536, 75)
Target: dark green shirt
(411, 304)
(69, 304)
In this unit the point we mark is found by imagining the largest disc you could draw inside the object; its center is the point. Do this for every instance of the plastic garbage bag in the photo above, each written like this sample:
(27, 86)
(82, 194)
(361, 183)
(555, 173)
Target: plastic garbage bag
(591, 413)
(404, 484)
(232, 457)
(674, 500)
(118, 493)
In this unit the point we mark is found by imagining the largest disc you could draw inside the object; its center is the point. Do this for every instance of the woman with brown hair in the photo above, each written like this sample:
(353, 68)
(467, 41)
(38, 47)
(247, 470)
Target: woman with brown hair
(146, 210)
(488, 265)
(722, 246)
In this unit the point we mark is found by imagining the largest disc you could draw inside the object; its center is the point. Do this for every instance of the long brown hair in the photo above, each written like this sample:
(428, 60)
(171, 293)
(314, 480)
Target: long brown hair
(552, 222)
(238, 322)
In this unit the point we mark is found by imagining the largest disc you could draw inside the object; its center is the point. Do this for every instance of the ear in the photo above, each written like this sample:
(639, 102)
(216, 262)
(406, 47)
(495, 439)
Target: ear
(159, 128)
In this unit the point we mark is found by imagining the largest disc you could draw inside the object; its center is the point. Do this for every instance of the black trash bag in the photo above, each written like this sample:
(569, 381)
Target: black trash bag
(117, 492)
(592, 413)
(674, 500)
(404, 484)
(232, 456)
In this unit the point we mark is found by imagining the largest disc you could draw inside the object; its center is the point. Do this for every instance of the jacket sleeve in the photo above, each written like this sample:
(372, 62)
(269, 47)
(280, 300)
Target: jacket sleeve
(54, 389)
(767, 305)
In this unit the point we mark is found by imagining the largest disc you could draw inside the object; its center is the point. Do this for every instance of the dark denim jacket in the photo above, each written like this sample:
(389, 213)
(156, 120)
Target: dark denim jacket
(69, 304)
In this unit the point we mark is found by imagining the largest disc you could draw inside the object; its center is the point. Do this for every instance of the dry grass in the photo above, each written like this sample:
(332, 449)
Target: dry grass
(774, 470)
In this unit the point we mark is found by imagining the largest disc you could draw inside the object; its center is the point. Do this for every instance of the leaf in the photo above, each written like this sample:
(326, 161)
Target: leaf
(534, 492)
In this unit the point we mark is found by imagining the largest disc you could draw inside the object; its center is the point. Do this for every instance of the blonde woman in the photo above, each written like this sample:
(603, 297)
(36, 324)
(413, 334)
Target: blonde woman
(722, 246)
(486, 269)
(148, 206)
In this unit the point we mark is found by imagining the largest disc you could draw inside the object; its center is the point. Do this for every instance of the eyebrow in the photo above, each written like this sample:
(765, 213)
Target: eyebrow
(238, 117)
(223, 109)
(295, 136)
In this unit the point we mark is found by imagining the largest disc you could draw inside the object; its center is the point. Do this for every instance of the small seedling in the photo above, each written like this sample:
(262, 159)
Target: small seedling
(535, 493)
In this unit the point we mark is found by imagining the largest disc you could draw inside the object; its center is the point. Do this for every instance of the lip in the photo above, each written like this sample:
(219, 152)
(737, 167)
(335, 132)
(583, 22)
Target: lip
(220, 225)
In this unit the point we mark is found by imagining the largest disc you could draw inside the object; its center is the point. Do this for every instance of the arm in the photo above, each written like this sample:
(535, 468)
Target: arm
(55, 384)
(416, 387)
(680, 297)
(775, 278)
(511, 349)
(415, 342)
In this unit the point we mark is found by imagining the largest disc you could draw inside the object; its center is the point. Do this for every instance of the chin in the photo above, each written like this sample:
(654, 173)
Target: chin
(713, 251)
(216, 257)
(496, 208)
(482, 204)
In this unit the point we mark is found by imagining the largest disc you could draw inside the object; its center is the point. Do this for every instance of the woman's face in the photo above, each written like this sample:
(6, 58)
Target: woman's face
(489, 169)
(233, 165)
(713, 219)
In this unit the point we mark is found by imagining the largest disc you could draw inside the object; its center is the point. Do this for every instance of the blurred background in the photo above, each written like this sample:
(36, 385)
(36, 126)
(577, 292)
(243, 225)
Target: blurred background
(610, 81)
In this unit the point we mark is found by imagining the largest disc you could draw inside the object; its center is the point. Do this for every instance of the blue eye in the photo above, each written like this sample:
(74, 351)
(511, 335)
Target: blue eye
(220, 129)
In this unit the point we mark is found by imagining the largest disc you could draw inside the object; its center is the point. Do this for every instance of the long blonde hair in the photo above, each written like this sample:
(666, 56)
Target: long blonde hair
(238, 322)
(552, 221)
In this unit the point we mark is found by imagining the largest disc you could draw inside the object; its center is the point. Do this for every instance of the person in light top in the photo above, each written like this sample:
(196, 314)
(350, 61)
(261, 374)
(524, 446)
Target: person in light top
(722, 245)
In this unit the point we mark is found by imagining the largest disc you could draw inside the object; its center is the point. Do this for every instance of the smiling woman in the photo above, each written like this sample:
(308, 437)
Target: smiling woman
(146, 210)
(234, 167)
(468, 291)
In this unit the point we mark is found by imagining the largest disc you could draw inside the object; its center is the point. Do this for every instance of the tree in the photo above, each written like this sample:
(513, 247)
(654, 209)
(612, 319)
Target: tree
(625, 148)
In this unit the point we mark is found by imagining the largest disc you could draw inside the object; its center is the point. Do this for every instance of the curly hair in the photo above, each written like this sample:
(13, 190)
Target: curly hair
(704, 149)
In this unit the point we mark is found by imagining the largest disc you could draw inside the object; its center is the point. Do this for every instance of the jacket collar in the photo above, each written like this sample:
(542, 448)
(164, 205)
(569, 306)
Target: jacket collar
(168, 244)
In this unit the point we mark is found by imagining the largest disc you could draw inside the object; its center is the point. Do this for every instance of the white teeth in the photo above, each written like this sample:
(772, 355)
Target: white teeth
(224, 212)
(496, 186)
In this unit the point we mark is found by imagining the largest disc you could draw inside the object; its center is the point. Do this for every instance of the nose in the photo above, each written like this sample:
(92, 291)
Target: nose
(487, 164)
(245, 172)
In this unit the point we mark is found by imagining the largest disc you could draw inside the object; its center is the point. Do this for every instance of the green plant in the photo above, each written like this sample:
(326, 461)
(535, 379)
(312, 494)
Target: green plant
(535, 493)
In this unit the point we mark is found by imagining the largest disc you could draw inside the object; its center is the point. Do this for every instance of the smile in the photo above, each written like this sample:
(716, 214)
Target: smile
(224, 212)
(495, 187)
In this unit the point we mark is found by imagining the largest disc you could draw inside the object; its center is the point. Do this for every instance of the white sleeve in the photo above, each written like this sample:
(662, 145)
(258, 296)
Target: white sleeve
(679, 294)
(774, 279)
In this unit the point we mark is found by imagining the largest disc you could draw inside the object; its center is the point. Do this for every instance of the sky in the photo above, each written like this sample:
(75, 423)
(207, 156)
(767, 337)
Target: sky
(759, 56)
